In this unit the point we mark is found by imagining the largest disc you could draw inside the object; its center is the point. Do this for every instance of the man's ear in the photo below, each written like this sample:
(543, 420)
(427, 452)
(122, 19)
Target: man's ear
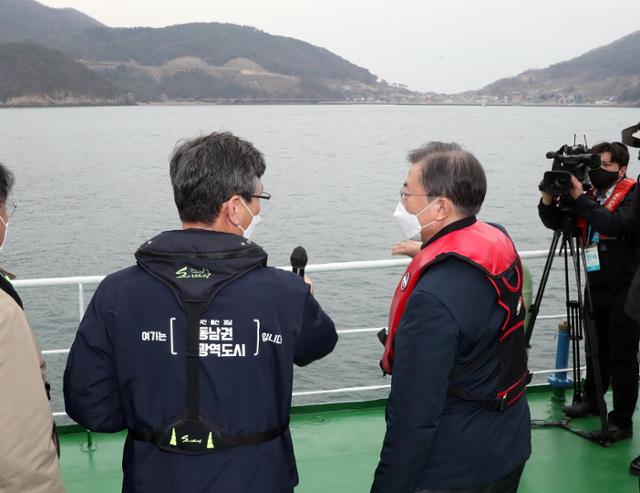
(232, 210)
(445, 208)
(622, 172)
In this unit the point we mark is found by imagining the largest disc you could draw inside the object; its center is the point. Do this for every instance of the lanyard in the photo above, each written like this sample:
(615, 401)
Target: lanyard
(596, 237)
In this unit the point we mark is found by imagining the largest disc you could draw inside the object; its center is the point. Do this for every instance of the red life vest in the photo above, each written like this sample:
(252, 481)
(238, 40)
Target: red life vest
(623, 187)
(490, 250)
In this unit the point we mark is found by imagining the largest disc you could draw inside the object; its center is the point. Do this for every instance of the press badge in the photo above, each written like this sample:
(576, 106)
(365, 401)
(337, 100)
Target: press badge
(592, 258)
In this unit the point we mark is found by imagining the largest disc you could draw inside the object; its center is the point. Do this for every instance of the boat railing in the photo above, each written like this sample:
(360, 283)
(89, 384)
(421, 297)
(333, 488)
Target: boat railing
(82, 281)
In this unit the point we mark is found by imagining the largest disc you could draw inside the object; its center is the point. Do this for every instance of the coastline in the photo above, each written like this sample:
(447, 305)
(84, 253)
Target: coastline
(303, 103)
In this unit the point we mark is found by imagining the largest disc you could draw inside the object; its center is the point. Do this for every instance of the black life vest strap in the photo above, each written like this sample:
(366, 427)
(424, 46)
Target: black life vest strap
(194, 434)
(221, 439)
(498, 403)
(193, 359)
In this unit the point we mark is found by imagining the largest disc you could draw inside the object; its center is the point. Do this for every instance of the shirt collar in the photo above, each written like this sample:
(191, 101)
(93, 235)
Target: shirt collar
(602, 198)
(459, 224)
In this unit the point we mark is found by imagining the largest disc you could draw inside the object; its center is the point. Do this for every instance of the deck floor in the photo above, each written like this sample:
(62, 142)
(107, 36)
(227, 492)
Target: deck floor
(337, 448)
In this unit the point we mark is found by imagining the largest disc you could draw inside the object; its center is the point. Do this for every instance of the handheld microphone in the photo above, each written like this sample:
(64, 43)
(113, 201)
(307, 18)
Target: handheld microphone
(298, 260)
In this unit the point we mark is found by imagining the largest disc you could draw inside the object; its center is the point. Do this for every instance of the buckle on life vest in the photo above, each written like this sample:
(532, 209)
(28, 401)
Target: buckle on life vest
(512, 395)
(503, 403)
(191, 437)
(200, 436)
(498, 404)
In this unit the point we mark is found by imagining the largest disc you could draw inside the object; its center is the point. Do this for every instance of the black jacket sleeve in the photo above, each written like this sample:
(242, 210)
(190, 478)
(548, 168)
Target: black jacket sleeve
(632, 305)
(425, 349)
(90, 384)
(623, 221)
(550, 215)
(628, 138)
(617, 223)
(317, 336)
(636, 210)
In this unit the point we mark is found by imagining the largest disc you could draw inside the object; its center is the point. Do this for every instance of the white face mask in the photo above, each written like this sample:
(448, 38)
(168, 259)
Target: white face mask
(409, 223)
(251, 229)
(6, 233)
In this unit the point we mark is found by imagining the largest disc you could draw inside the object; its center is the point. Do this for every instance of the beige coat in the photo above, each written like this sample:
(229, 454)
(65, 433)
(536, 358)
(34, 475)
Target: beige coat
(28, 461)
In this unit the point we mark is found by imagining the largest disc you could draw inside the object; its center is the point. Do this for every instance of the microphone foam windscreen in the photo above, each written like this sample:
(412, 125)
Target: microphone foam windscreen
(299, 257)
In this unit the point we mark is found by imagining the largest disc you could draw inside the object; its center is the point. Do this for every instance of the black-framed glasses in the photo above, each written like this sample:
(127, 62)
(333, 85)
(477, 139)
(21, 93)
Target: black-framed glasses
(261, 195)
(404, 195)
(11, 207)
(248, 197)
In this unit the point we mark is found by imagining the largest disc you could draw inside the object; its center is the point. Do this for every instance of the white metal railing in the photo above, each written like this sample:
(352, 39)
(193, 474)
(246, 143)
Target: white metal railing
(81, 281)
(340, 332)
(311, 268)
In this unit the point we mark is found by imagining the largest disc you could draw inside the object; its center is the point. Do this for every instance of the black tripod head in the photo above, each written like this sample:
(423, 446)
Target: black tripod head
(569, 222)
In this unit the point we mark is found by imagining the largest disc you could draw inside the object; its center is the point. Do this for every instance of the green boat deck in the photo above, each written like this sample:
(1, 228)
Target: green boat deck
(337, 447)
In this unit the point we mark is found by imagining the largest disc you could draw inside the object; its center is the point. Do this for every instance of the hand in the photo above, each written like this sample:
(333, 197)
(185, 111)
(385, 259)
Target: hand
(547, 199)
(410, 248)
(576, 188)
(309, 281)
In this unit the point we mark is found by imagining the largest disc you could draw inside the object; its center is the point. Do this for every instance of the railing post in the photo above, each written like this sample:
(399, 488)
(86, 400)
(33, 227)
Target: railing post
(90, 446)
(80, 300)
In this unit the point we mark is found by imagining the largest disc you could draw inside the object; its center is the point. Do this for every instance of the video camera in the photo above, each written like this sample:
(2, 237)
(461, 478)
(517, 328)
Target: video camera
(575, 160)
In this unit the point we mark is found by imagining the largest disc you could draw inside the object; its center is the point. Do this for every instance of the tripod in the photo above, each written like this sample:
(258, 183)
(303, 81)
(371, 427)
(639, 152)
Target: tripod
(579, 320)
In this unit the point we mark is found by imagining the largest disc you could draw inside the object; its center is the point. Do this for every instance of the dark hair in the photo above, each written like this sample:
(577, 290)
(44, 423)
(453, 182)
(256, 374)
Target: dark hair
(207, 171)
(6, 182)
(451, 172)
(619, 151)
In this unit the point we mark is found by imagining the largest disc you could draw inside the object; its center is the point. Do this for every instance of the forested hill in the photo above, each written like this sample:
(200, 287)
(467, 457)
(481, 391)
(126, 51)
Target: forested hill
(609, 73)
(191, 61)
(33, 75)
(28, 19)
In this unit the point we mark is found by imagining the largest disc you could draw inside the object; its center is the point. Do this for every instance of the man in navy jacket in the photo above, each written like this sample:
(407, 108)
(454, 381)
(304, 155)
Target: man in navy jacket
(192, 349)
(448, 337)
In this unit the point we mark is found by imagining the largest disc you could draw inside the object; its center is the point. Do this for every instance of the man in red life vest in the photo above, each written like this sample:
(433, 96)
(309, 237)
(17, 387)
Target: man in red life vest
(605, 218)
(457, 417)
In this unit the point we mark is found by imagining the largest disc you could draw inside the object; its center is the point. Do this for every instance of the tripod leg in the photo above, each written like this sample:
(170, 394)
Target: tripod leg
(575, 333)
(591, 336)
(578, 364)
(572, 322)
(534, 308)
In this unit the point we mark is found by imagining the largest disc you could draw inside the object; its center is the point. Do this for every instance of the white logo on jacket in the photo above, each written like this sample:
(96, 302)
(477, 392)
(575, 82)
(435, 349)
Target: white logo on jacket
(405, 281)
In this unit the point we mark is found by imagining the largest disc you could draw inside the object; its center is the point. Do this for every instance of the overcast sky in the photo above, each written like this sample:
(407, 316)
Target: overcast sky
(431, 45)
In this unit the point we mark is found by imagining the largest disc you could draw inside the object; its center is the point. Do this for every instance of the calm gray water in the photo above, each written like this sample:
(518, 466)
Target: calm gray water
(92, 185)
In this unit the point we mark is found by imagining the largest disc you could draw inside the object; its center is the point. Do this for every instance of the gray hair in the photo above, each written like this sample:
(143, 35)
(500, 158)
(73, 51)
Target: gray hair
(450, 171)
(7, 179)
(207, 171)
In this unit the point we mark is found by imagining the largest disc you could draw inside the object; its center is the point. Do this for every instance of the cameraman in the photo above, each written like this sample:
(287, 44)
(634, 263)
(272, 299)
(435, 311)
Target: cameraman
(605, 220)
(632, 307)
